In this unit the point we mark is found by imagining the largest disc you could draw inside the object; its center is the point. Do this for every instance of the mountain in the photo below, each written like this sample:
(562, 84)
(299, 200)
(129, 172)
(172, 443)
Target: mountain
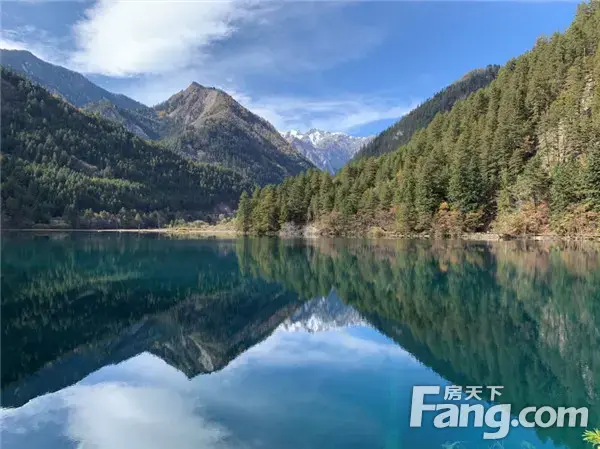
(204, 124)
(208, 125)
(72, 86)
(103, 299)
(401, 132)
(194, 337)
(322, 314)
(59, 163)
(518, 157)
(328, 151)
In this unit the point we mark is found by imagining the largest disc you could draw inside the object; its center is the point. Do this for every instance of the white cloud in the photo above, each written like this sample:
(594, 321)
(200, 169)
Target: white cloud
(113, 414)
(331, 114)
(217, 38)
(129, 38)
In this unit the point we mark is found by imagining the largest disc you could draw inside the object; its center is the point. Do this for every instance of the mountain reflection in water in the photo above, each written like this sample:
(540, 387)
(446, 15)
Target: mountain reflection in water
(107, 340)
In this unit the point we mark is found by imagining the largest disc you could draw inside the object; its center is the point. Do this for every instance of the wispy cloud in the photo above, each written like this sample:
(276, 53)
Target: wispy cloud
(35, 40)
(343, 113)
(115, 415)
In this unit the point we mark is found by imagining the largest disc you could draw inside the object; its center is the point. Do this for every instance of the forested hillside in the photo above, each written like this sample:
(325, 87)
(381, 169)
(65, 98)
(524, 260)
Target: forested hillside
(402, 131)
(58, 163)
(521, 156)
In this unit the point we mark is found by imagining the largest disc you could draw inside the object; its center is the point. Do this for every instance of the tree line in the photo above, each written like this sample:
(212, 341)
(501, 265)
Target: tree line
(520, 156)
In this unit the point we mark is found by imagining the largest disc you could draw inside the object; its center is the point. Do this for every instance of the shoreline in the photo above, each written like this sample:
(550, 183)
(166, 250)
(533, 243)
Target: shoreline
(487, 237)
(178, 231)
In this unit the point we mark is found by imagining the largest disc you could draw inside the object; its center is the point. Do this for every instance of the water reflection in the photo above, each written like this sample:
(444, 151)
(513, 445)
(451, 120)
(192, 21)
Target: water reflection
(107, 340)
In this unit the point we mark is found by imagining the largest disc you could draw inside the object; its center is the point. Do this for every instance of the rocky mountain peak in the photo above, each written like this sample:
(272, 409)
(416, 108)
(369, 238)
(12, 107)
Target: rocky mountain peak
(202, 121)
(195, 104)
(323, 314)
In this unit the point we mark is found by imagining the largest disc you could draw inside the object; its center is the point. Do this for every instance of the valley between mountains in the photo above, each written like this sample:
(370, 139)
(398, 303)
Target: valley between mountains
(83, 157)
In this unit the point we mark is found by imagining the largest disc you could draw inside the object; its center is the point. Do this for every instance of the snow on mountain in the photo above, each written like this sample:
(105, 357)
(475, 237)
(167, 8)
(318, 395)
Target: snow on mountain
(327, 150)
(322, 314)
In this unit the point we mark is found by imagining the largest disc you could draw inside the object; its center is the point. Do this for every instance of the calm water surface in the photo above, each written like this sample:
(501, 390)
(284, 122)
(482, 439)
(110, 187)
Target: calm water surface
(143, 342)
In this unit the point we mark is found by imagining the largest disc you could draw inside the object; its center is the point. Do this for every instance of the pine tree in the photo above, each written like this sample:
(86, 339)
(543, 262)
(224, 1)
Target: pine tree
(592, 177)
(429, 190)
(564, 187)
(386, 195)
(265, 217)
(254, 207)
(296, 200)
(326, 193)
(504, 203)
(368, 204)
(406, 214)
(244, 213)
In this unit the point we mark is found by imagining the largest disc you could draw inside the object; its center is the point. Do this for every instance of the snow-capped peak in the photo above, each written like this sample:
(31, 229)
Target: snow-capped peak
(327, 150)
(322, 314)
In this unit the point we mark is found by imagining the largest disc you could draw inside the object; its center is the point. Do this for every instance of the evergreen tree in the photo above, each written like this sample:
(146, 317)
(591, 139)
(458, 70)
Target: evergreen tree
(265, 216)
(326, 194)
(592, 177)
(244, 213)
(564, 187)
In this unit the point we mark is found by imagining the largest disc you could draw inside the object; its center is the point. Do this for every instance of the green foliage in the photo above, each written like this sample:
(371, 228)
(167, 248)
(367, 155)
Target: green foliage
(521, 155)
(61, 164)
(592, 437)
(265, 215)
(244, 213)
(592, 177)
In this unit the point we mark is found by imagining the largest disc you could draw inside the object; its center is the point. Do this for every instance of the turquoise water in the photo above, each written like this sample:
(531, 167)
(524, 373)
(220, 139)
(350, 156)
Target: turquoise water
(128, 341)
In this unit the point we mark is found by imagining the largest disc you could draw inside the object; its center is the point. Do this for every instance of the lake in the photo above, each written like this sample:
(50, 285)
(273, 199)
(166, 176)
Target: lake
(144, 341)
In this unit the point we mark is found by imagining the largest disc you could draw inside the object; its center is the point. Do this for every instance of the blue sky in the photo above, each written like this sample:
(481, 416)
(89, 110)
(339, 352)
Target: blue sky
(340, 66)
